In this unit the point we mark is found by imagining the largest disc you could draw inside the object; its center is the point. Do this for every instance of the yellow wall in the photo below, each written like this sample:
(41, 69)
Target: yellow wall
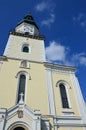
(36, 95)
(36, 90)
(64, 77)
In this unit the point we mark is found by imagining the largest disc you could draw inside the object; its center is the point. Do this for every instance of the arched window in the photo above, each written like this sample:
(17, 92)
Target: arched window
(25, 49)
(63, 96)
(22, 81)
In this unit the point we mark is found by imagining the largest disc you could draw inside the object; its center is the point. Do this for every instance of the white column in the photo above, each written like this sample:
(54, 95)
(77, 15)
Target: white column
(50, 92)
(81, 103)
(37, 120)
(2, 118)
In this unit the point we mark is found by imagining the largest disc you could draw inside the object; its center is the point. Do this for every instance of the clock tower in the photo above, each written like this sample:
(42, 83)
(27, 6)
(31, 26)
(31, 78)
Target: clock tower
(25, 42)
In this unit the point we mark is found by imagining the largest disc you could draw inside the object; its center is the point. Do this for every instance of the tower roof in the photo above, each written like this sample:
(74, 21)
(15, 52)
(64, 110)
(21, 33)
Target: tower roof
(28, 19)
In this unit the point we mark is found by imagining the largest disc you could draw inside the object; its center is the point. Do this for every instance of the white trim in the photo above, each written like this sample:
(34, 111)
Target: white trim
(27, 64)
(69, 121)
(18, 122)
(51, 100)
(79, 98)
(34, 116)
(8, 45)
(23, 72)
(25, 45)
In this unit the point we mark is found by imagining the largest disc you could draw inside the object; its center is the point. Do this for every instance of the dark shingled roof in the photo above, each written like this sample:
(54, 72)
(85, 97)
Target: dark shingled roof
(28, 19)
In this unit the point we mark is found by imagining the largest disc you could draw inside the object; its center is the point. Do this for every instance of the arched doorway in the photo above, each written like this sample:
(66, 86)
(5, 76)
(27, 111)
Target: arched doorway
(19, 128)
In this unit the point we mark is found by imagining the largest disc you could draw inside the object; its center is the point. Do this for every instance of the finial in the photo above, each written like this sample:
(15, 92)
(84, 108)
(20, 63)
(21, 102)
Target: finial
(29, 13)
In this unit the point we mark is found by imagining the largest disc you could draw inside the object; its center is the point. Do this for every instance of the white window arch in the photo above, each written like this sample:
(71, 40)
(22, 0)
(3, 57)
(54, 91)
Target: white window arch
(25, 48)
(18, 125)
(22, 76)
(64, 93)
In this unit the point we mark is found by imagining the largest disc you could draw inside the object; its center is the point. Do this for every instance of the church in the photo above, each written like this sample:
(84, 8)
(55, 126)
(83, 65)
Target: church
(35, 94)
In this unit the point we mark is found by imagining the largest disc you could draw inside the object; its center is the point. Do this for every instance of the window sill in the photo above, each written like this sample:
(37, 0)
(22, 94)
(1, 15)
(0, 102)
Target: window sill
(67, 112)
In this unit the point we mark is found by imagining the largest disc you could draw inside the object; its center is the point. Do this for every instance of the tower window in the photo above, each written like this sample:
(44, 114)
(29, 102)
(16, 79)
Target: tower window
(25, 49)
(64, 96)
(22, 81)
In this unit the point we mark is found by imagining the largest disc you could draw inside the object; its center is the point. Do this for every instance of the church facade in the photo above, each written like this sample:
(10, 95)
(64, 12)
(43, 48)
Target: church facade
(35, 94)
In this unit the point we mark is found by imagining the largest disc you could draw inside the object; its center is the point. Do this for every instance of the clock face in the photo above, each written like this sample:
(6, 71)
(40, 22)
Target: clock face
(29, 29)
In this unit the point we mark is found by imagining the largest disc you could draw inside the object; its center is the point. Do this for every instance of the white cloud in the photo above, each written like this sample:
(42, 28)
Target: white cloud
(80, 20)
(79, 58)
(41, 6)
(48, 5)
(58, 53)
(47, 9)
(49, 21)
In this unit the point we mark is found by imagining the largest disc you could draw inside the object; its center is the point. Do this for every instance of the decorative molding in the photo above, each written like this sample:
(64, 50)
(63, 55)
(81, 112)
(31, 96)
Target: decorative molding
(27, 35)
(3, 114)
(23, 72)
(69, 121)
(25, 64)
(70, 125)
(18, 123)
(59, 68)
(20, 114)
(24, 59)
(34, 116)
(3, 58)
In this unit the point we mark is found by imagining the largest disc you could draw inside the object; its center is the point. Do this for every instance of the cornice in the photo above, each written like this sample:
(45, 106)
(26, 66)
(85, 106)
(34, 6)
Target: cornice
(28, 35)
(19, 59)
(3, 58)
(59, 67)
(49, 66)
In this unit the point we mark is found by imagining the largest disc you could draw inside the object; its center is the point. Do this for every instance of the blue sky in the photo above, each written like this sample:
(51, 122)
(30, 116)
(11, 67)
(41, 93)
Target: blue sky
(62, 22)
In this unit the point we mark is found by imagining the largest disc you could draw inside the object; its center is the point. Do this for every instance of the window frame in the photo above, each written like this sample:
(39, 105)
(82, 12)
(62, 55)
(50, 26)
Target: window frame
(25, 64)
(28, 77)
(19, 89)
(63, 95)
(67, 88)
(25, 45)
